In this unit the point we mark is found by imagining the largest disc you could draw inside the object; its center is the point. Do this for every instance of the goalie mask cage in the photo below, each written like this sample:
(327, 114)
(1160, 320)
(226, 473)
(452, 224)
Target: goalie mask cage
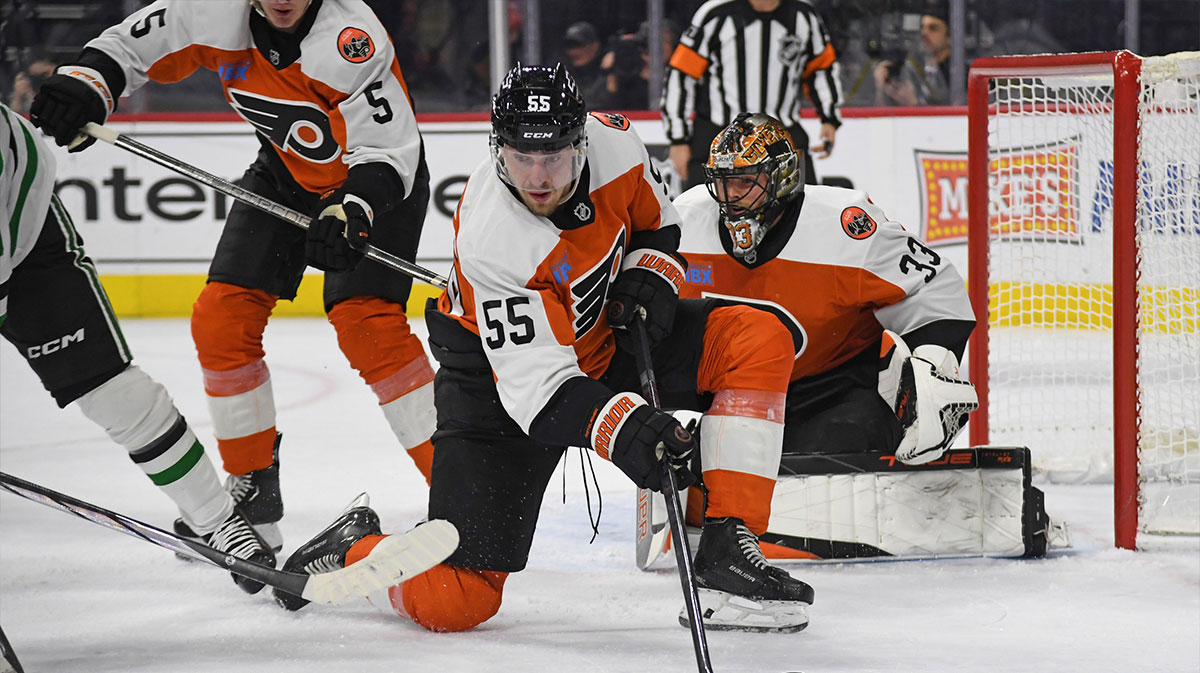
(1084, 273)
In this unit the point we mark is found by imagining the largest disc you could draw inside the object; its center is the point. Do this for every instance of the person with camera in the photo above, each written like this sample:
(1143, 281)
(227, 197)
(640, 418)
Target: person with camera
(27, 82)
(627, 68)
(782, 49)
(583, 49)
(901, 80)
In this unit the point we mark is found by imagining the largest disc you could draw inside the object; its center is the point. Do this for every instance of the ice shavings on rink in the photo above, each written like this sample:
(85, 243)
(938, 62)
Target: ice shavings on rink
(77, 597)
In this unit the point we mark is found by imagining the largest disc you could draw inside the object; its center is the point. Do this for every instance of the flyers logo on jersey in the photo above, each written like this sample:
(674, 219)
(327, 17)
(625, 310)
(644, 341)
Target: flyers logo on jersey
(588, 293)
(292, 126)
(355, 45)
(612, 120)
(857, 223)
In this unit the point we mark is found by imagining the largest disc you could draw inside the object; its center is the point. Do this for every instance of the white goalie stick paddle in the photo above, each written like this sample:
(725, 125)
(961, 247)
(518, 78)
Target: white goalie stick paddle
(653, 533)
(396, 559)
(683, 556)
(250, 198)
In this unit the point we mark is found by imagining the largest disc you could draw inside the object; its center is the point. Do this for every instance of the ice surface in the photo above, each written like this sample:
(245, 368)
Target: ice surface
(77, 597)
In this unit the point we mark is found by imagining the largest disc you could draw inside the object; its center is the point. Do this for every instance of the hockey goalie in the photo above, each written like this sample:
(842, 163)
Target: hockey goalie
(879, 322)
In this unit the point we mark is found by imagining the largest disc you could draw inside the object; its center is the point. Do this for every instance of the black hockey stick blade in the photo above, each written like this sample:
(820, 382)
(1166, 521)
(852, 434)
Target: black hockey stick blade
(396, 559)
(679, 539)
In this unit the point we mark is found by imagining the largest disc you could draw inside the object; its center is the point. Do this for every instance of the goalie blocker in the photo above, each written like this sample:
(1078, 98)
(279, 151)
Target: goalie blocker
(970, 502)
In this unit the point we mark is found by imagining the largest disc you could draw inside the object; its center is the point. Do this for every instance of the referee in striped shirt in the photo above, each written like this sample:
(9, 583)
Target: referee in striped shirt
(749, 56)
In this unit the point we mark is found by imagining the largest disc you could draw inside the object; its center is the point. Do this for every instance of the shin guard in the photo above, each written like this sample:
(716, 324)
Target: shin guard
(137, 413)
(746, 363)
(374, 335)
(227, 327)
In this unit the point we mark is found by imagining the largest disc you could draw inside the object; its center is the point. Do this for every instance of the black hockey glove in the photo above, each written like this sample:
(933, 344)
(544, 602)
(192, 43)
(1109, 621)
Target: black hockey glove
(67, 102)
(649, 279)
(340, 233)
(643, 437)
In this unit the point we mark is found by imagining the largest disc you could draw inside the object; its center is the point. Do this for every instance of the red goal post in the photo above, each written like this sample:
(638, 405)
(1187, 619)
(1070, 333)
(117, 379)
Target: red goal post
(1084, 273)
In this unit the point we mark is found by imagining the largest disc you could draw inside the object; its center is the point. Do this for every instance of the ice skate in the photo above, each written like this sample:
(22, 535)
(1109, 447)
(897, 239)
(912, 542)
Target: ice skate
(257, 494)
(327, 550)
(237, 537)
(739, 590)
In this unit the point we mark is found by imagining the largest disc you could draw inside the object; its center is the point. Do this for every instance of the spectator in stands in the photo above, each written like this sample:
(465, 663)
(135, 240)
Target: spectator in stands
(27, 81)
(475, 94)
(583, 59)
(626, 68)
(926, 82)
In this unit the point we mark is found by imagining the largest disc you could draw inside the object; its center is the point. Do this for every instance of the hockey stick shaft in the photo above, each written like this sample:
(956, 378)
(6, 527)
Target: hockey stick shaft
(679, 539)
(396, 559)
(290, 582)
(250, 198)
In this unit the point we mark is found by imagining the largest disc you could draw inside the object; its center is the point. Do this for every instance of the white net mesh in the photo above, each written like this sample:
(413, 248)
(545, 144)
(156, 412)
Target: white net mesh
(1050, 247)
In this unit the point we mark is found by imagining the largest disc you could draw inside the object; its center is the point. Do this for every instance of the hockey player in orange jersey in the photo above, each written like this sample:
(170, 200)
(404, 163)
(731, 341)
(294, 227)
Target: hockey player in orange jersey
(319, 82)
(567, 216)
(847, 282)
(879, 322)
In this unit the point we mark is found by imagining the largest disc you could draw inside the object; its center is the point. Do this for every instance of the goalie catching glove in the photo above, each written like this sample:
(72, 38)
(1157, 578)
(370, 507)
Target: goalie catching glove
(637, 437)
(339, 235)
(930, 400)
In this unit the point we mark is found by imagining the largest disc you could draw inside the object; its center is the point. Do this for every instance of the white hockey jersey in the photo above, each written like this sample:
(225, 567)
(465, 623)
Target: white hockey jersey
(341, 103)
(845, 274)
(535, 291)
(26, 185)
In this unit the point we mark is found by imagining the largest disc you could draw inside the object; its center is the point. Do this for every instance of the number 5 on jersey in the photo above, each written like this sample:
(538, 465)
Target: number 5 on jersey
(507, 324)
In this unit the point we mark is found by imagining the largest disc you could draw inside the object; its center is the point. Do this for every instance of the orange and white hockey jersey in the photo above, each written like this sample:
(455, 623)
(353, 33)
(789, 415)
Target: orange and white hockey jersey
(533, 289)
(335, 100)
(845, 273)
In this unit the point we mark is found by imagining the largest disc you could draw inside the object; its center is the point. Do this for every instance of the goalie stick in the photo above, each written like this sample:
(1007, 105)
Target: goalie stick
(394, 560)
(683, 556)
(250, 198)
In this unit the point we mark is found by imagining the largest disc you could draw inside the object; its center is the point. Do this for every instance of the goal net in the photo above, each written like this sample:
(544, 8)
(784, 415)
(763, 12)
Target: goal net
(1084, 171)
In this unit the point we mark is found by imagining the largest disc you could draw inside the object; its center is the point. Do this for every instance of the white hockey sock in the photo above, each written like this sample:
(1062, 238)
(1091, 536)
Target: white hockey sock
(412, 416)
(241, 402)
(137, 413)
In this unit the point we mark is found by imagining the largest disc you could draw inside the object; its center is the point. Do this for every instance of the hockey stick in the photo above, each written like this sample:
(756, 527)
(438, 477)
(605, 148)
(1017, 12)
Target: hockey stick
(401, 557)
(249, 198)
(9, 656)
(679, 540)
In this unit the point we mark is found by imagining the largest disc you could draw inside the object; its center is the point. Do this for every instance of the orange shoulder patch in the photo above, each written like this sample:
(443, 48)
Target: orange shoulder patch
(857, 223)
(612, 119)
(355, 45)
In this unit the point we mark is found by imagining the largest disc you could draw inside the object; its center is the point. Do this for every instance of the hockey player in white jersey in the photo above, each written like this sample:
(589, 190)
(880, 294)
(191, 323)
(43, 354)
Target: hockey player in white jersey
(319, 82)
(878, 322)
(567, 216)
(838, 274)
(55, 312)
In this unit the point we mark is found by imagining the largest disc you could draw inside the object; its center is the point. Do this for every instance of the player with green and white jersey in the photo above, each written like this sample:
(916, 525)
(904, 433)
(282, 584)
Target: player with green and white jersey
(54, 310)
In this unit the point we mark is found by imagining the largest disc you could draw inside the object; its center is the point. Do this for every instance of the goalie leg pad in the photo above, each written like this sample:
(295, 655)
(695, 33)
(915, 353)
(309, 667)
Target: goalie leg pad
(723, 611)
(971, 502)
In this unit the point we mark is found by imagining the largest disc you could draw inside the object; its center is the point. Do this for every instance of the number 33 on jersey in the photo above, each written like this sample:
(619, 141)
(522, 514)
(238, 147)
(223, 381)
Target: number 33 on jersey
(844, 274)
